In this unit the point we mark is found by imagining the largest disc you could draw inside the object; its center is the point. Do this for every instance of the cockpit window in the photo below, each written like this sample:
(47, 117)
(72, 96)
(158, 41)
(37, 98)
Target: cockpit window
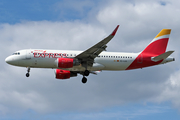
(16, 53)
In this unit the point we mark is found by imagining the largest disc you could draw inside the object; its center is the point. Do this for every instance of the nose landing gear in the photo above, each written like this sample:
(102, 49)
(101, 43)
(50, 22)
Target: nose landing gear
(28, 70)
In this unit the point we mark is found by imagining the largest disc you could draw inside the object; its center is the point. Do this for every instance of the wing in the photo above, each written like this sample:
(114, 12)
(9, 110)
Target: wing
(87, 57)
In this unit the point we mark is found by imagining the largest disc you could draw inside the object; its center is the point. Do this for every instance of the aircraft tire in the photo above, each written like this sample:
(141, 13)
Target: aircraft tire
(84, 80)
(86, 72)
(27, 74)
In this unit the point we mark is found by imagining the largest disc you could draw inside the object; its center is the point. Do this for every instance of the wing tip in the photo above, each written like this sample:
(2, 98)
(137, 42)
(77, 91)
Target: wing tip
(115, 30)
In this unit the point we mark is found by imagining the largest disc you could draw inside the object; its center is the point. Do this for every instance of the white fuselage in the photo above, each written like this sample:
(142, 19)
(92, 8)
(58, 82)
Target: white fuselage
(38, 58)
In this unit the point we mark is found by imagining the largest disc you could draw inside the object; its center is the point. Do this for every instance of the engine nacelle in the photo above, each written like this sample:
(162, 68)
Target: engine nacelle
(67, 62)
(64, 74)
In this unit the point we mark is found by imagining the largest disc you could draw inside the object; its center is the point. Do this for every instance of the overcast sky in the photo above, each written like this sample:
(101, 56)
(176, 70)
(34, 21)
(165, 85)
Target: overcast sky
(149, 93)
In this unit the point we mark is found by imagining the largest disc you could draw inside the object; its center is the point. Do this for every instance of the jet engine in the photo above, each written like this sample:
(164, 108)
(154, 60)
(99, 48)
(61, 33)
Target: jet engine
(64, 74)
(67, 62)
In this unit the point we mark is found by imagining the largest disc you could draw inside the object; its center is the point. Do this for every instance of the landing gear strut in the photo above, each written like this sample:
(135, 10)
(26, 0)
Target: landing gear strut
(28, 70)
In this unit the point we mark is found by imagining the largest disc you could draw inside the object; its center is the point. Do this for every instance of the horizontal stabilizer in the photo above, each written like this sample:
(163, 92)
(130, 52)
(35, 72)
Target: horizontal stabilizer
(162, 56)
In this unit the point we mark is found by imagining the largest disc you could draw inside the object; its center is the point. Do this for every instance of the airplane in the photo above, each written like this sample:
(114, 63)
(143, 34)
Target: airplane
(68, 63)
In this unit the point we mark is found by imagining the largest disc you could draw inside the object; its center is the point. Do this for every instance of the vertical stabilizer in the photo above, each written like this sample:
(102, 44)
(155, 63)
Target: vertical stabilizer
(158, 44)
(157, 47)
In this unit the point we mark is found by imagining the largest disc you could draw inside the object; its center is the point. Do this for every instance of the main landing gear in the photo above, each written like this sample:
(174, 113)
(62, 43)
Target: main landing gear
(86, 73)
(28, 70)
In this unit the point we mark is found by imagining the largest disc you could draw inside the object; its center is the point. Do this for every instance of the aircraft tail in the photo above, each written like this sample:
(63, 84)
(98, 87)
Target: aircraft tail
(158, 44)
(154, 53)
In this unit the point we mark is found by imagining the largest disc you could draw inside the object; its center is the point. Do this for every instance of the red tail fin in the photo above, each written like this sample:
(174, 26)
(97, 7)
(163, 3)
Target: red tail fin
(158, 44)
(156, 47)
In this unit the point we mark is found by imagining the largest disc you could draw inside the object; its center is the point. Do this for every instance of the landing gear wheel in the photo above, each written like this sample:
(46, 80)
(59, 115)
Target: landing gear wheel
(28, 70)
(86, 72)
(84, 80)
(27, 74)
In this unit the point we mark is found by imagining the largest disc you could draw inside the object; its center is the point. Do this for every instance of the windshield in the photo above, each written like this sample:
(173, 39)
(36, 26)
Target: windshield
(16, 53)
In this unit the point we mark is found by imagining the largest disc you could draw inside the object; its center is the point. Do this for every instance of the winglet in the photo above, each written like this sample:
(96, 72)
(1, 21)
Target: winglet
(115, 30)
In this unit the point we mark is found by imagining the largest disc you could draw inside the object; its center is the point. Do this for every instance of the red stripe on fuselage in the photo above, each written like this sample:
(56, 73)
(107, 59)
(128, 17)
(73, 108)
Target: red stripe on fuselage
(153, 49)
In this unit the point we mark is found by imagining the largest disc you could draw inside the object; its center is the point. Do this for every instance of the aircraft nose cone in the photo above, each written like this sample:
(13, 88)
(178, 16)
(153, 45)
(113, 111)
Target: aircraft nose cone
(8, 60)
(12, 60)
